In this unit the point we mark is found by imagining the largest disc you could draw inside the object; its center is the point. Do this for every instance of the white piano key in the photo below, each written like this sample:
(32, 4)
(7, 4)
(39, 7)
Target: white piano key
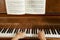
(7, 30)
(31, 35)
(8, 35)
(50, 32)
(49, 36)
(37, 30)
(30, 31)
(28, 35)
(43, 30)
(2, 29)
(13, 30)
(25, 30)
(52, 36)
(18, 30)
(56, 32)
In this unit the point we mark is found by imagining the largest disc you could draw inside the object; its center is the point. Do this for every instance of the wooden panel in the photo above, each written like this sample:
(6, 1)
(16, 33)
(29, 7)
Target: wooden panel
(53, 6)
(30, 21)
(34, 39)
(2, 6)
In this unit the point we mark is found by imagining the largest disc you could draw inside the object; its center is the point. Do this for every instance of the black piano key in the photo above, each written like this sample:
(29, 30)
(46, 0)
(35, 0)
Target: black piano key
(23, 30)
(1, 29)
(20, 30)
(10, 30)
(33, 31)
(16, 30)
(4, 30)
(58, 31)
(47, 31)
(39, 29)
(53, 31)
(28, 31)
(36, 31)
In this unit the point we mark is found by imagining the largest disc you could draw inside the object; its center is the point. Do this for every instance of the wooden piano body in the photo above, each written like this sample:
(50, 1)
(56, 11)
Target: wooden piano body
(29, 21)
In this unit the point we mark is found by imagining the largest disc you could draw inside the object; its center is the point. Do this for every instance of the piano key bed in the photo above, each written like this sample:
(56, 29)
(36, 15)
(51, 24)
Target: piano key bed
(30, 32)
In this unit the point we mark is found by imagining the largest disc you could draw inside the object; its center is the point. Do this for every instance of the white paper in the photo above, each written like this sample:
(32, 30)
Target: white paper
(18, 7)
(15, 7)
(35, 6)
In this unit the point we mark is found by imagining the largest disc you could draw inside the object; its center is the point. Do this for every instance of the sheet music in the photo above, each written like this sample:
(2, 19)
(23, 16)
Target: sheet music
(18, 7)
(35, 6)
(15, 7)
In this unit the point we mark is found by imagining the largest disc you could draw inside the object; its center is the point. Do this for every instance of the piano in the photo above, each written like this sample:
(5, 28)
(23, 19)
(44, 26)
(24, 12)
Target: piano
(30, 32)
(31, 24)
(9, 30)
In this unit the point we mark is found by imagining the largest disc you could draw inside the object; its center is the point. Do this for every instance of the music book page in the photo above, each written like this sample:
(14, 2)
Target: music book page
(15, 7)
(35, 6)
(18, 7)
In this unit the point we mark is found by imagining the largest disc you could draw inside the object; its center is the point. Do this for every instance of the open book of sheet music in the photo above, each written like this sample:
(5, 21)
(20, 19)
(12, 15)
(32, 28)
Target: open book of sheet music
(19, 7)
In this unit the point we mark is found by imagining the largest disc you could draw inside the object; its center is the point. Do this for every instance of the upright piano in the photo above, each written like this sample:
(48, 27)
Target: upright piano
(31, 24)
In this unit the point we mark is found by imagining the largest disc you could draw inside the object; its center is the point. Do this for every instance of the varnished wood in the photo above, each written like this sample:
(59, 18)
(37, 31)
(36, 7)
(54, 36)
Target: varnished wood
(34, 39)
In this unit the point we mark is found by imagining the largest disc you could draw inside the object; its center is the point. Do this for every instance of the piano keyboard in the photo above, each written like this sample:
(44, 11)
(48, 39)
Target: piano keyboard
(11, 32)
